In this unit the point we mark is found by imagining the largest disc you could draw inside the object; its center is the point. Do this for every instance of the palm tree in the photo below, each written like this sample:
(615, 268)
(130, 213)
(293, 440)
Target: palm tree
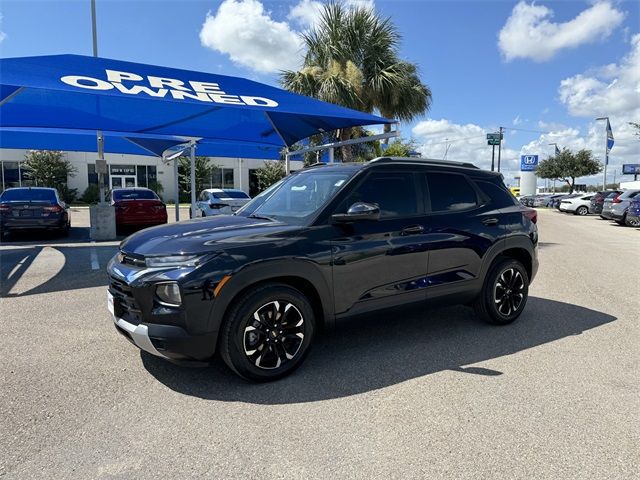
(352, 60)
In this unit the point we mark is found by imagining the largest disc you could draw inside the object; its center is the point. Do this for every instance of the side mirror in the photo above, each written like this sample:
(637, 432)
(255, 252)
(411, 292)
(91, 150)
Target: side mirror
(357, 212)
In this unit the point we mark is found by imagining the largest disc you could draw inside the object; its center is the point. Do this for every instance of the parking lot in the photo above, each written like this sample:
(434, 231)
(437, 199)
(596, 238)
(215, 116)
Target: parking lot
(404, 394)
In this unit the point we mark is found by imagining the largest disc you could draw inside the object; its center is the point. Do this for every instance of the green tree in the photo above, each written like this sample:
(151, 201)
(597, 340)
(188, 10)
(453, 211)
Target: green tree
(204, 171)
(352, 60)
(567, 166)
(48, 168)
(270, 173)
(400, 148)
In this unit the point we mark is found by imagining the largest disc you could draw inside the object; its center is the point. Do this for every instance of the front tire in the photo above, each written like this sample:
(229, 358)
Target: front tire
(632, 222)
(504, 292)
(267, 333)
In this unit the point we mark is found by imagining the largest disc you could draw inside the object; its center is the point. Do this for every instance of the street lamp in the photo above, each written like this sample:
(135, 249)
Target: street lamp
(606, 152)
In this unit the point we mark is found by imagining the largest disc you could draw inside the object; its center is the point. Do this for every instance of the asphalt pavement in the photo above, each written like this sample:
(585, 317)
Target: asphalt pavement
(405, 394)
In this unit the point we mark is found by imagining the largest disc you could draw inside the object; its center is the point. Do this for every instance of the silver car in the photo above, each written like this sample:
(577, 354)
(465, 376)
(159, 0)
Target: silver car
(619, 206)
(220, 201)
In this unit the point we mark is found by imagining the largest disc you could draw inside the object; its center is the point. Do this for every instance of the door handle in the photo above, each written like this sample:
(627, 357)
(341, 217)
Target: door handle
(412, 230)
(490, 221)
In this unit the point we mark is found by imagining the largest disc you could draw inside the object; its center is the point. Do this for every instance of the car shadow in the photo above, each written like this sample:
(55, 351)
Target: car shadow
(385, 349)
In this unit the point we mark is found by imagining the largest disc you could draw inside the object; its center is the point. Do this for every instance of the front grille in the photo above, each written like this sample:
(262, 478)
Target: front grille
(125, 304)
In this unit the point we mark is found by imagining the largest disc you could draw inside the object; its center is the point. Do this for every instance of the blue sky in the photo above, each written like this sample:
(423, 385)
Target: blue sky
(556, 66)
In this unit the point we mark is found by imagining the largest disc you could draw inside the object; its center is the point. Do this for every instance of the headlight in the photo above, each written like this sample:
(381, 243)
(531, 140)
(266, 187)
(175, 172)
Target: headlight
(169, 293)
(173, 261)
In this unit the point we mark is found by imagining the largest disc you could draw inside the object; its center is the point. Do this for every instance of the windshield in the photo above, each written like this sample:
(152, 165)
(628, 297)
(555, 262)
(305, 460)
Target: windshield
(28, 195)
(297, 199)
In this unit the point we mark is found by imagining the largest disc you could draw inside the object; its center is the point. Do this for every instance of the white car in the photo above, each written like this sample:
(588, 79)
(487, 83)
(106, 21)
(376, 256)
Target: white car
(220, 201)
(577, 205)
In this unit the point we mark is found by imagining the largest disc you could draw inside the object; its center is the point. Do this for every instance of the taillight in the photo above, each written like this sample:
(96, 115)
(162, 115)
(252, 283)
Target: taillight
(616, 199)
(531, 215)
(53, 209)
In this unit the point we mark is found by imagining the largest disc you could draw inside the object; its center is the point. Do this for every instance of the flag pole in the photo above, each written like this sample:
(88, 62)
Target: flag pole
(606, 151)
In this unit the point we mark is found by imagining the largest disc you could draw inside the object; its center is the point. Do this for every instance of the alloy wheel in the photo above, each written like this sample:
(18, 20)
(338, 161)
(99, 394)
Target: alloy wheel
(274, 335)
(508, 292)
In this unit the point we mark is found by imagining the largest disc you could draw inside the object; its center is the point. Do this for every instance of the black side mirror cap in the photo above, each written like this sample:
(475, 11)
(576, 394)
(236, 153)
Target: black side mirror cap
(357, 212)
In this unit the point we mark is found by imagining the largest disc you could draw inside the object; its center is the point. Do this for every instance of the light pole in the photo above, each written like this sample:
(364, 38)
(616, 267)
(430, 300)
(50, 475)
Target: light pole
(606, 152)
(100, 164)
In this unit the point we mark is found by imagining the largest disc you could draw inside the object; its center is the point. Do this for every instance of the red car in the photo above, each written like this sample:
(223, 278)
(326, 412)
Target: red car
(137, 207)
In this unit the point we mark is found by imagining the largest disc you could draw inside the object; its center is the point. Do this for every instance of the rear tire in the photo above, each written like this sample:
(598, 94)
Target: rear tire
(267, 333)
(582, 211)
(632, 222)
(504, 292)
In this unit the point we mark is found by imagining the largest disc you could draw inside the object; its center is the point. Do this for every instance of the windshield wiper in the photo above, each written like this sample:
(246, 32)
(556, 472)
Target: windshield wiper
(262, 217)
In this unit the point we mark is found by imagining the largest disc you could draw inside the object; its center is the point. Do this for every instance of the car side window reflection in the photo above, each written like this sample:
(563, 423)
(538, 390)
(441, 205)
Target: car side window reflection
(450, 192)
(394, 193)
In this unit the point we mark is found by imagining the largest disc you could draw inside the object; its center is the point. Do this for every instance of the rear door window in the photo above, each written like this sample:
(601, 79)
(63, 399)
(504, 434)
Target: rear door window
(497, 195)
(450, 192)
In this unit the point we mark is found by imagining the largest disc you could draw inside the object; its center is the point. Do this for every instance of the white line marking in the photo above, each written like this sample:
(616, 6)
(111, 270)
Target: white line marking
(94, 257)
(18, 265)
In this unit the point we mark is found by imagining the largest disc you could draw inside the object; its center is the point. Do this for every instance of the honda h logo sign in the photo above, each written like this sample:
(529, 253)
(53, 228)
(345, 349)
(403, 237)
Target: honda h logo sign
(161, 87)
(528, 163)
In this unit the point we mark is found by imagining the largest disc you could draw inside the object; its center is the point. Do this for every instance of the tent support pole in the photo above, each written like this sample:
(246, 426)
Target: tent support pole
(331, 155)
(177, 187)
(353, 141)
(193, 179)
(287, 162)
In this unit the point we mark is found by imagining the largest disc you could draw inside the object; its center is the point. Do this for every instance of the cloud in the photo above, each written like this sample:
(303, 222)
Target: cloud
(529, 33)
(245, 31)
(2, 34)
(306, 13)
(610, 90)
(467, 143)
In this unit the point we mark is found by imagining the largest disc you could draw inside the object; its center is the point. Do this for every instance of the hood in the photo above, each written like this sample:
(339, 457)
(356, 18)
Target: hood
(204, 235)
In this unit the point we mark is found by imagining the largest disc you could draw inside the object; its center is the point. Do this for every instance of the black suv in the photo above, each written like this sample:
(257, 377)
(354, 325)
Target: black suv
(324, 243)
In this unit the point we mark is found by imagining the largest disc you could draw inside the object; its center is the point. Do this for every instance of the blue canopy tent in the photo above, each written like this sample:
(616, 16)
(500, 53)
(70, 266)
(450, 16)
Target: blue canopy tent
(74, 92)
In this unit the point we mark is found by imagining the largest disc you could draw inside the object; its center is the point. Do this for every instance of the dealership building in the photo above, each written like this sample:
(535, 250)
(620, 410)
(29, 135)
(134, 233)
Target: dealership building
(137, 171)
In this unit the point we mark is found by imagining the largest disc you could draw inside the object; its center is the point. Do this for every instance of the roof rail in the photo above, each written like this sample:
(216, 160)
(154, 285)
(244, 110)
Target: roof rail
(426, 161)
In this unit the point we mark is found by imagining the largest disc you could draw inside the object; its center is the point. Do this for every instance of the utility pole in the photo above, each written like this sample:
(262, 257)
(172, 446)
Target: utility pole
(101, 164)
(500, 148)
(493, 156)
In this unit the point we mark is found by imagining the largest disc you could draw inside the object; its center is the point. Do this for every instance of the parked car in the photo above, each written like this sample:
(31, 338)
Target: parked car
(554, 200)
(137, 207)
(597, 201)
(33, 208)
(633, 212)
(577, 205)
(607, 205)
(526, 200)
(620, 205)
(540, 200)
(218, 201)
(324, 243)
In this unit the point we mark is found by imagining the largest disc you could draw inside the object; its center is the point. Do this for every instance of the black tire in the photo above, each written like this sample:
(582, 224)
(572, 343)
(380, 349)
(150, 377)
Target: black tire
(582, 210)
(3, 235)
(631, 222)
(486, 305)
(202, 214)
(244, 338)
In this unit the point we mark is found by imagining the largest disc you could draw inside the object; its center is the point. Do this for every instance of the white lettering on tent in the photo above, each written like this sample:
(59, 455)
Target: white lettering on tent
(258, 101)
(160, 82)
(117, 77)
(136, 89)
(179, 95)
(160, 86)
(91, 83)
(228, 99)
(206, 87)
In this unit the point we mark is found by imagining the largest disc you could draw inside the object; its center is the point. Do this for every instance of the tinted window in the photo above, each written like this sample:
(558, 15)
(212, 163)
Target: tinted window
(498, 195)
(134, 195)
(230, 194)
(450, 192)
(394, 193)
(27, 194)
